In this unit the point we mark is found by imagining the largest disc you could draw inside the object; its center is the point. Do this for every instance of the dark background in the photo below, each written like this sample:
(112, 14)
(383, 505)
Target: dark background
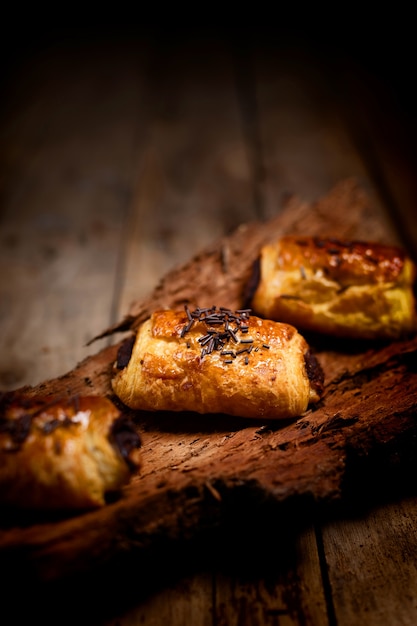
(380, 45)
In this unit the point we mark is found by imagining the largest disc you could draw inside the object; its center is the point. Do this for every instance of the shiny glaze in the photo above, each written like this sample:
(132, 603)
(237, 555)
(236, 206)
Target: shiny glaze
(348, 262)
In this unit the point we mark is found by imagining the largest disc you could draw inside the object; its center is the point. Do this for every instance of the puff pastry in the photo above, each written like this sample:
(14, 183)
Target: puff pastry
(64, 454)
(350, 289)
(219, 361)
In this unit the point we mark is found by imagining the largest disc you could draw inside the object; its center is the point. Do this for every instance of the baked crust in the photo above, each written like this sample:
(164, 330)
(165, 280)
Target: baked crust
(64, 453)
(217, 361)
(351, 289)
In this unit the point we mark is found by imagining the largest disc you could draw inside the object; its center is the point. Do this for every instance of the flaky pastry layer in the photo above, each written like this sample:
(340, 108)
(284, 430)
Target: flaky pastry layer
(345, 288)
(258, 368)
(63, 454)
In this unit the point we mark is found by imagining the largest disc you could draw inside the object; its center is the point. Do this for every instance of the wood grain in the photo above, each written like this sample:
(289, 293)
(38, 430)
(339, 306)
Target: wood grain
(378, 575)
(193, 181)
(68, 159)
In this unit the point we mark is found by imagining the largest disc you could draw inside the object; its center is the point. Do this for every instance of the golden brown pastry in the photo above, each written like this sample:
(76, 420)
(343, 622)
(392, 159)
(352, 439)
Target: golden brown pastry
(345, 288)
(63, 453)
(219, 361)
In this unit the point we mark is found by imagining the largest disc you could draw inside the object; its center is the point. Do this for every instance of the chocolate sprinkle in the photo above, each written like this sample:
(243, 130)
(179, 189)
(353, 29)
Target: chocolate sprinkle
(222, 326)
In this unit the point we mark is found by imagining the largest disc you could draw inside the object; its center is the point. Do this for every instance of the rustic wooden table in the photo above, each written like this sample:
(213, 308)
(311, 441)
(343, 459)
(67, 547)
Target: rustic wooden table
(121, 157)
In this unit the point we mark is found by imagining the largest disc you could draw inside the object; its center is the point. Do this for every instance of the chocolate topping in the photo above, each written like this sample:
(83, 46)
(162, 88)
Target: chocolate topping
(125, 437)
(125, 352)
(314, 372)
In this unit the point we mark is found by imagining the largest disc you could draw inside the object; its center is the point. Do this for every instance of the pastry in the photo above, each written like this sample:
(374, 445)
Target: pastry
(219, 361)
(352, 289)
(63, 453)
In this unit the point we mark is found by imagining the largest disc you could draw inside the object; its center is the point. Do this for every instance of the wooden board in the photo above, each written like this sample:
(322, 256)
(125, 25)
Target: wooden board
(214, 476)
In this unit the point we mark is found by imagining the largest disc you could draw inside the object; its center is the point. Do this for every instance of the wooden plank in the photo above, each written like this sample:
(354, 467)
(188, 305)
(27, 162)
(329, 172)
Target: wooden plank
(371, 556)
(194, 182)
(376, 99)
(187, 601)
(283, 585)
(68, 149)
(306, 147)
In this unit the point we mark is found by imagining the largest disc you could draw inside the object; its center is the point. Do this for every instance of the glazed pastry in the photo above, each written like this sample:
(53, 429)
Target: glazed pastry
(63, 454)
(350, 289)
(219, 361)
